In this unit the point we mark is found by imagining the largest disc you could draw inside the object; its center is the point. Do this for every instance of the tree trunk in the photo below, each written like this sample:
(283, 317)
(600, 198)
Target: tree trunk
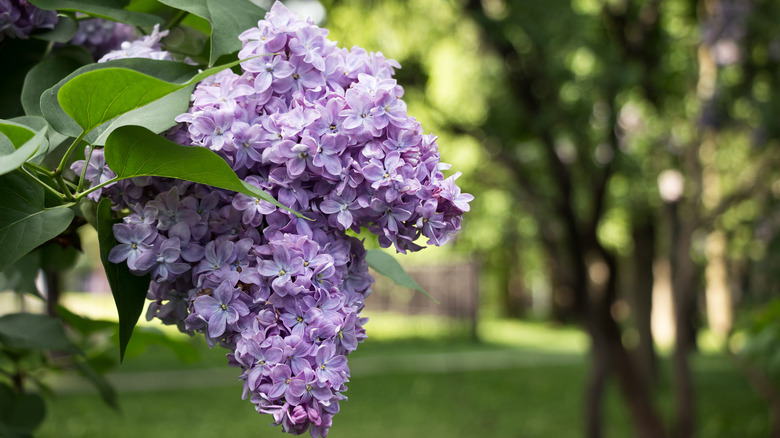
(594, 393)
(684, 288)
(642, 299)
(53, 291)
(604, 328)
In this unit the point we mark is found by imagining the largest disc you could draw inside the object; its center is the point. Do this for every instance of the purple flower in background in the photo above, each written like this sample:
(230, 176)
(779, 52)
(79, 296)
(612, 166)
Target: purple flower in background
(101, 36)
(97, 172)
(146, 47)
(19, 18)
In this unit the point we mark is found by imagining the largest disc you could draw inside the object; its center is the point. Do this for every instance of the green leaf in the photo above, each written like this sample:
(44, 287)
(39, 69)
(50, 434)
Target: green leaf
(165, 70)
(25, 223)
(129, 290)
(27, 331)
(184, 40)
(33, 123)
(20, 277)
(45, 75)
(6, 146)
(58, 258)
(108, 9)
(26, 142)
(157, 116)
(104, 388)
(388, 266)
(179, 346)
(135, 151)
(20, 414)
(16, 133)
(87, 209)
(63, 31)
(96, 97)
(53, 138)
(228, 19)
(84, 325)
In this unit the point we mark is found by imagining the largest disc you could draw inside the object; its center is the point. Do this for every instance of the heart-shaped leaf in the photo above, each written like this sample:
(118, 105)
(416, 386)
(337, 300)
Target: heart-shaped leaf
(228, 19)
(129, 290)
(96, 97)
(25, 223)
(157, 116)
(46, 74)
(28, 331)
(20, 414)
(20, 277)
(53, 138)
(165, 70)
(135, 151)
(63, 31)
(25, 141)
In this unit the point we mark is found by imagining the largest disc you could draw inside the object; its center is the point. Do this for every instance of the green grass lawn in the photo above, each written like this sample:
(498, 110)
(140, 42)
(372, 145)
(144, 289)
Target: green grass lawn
(525, 381)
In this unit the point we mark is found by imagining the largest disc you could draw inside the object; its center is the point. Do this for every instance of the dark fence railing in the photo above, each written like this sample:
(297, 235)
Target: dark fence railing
(455, 286)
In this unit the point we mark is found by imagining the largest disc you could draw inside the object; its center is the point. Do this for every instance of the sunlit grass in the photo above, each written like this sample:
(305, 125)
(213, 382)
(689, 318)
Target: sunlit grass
(409, 380)
(542, 400)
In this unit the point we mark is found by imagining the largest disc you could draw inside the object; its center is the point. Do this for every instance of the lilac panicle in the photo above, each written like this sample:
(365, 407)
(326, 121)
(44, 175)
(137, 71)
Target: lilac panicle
(323, 130)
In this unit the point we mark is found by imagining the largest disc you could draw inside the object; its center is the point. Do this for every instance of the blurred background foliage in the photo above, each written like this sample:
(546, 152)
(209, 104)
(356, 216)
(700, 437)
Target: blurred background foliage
(624, 156)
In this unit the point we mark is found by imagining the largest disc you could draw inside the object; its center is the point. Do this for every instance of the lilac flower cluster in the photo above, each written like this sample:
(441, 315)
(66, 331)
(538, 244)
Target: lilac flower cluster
(323, 130)
(18, 18)
(101, 36)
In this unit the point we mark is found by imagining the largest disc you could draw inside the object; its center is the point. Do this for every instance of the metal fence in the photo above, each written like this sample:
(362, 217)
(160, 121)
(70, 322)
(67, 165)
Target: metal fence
(455, 286)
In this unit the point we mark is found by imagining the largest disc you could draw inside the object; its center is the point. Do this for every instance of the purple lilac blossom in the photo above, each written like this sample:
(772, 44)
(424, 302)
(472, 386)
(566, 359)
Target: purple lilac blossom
(101, 36)
(324, 130)
(146, 47)
(19, 18)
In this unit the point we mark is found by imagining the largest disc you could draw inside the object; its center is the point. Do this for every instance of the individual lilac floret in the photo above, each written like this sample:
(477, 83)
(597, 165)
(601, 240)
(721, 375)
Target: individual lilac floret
(146, 47)
(97, 172)
(220, 309)
(134, 241)
(324, 130)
